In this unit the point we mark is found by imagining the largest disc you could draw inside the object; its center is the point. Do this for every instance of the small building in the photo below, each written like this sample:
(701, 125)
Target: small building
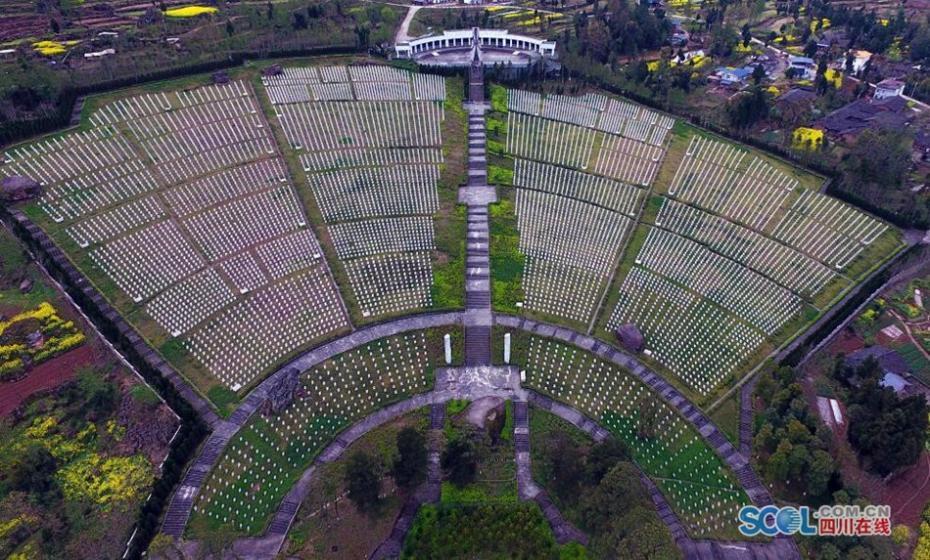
(108, 35)
(18, 188)
(832, 37)
(729, 76)
(220, 78)
(796, 99)
(802, 67)
(867, 114)
(7, 54)
(630, 337)
(859, 59)
(689, 56)
(889, 361)
(273, 70)
(679, 37)
(889, 88)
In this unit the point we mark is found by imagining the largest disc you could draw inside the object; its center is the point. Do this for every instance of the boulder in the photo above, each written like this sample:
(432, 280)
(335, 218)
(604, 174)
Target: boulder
(631, 337)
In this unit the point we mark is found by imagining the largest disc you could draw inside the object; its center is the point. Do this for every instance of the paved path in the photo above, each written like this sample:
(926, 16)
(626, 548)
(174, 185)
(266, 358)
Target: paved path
(476, 195)
(746, 417)
(182, 501)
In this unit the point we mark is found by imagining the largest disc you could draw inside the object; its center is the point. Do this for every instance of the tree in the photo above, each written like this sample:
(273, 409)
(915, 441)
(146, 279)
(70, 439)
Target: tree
(820, 471)
(778, 466)
(411, 461)
(810, 49)
(758, 74)
(230, 29)
(33, 471)
(888, 432)
(748, 108)
(746, 34)
(567, 466)
(648, 409)
(614, 496)
(877, 157)
(603, 457)
(460, 462)
(643, 537)
(363, 481)
(723, 40)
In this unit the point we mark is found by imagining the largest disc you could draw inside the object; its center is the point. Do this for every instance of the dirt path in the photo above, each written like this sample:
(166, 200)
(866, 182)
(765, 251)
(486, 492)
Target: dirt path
(403, 32)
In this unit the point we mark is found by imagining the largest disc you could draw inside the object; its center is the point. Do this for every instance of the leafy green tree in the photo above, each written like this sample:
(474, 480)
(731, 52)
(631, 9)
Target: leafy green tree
(819, 472)
(410, 464)
(603, 457)
(33, 471)
(723, 39)
(748, 108)
(618, 491)
(460, 462)
(567, 466)
(887, 431)
(363, 480)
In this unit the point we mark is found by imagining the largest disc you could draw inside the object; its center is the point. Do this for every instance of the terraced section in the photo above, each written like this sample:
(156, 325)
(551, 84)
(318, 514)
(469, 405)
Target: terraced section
(369, 139)
(735, 259)
(567, 267)
(177, 205)
(266, 457)
(581, 168)
(691, 476)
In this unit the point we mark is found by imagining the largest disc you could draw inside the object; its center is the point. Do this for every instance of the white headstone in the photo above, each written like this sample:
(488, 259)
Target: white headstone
(918, 298)
(447, 340)
(507, 348)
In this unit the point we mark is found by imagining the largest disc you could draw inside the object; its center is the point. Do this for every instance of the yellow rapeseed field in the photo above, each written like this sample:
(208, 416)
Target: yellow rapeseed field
(190, 11)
